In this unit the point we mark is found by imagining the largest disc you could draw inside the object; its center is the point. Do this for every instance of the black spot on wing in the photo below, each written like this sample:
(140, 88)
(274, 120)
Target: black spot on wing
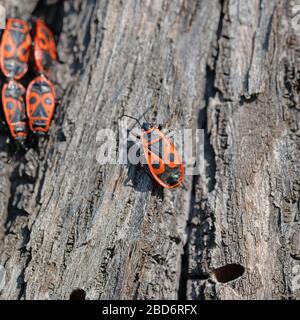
(171, 157)
(46, 34)
(32, 100)
(151, 136)
(8, 47)
(10, 105)
(40, 112)
(157, 148)
(46, 59)
(155, 165)
(17, 116)
(18, 37)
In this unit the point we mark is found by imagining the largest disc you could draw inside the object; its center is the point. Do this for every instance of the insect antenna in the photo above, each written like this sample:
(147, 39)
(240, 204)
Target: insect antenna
(144, 116)
(131, 117)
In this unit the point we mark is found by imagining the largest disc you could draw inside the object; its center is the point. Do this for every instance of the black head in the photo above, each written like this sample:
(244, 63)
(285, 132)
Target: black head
(146, 126)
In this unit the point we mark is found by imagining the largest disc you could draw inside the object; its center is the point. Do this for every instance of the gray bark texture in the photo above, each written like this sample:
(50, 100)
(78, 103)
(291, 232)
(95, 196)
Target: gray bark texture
(229, 67)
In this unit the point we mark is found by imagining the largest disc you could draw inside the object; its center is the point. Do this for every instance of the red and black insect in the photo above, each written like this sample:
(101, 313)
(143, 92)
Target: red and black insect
(15, 49)
(40, 102)
(40, 96)
(44, 49)
(14, 109)
(38, 108)
(162, 158)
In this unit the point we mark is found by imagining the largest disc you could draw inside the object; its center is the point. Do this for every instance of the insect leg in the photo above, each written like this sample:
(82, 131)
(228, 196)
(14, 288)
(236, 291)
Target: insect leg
(137, 136)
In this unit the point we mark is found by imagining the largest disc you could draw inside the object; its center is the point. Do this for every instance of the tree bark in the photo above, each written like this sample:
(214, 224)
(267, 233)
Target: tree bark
(228, 67)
